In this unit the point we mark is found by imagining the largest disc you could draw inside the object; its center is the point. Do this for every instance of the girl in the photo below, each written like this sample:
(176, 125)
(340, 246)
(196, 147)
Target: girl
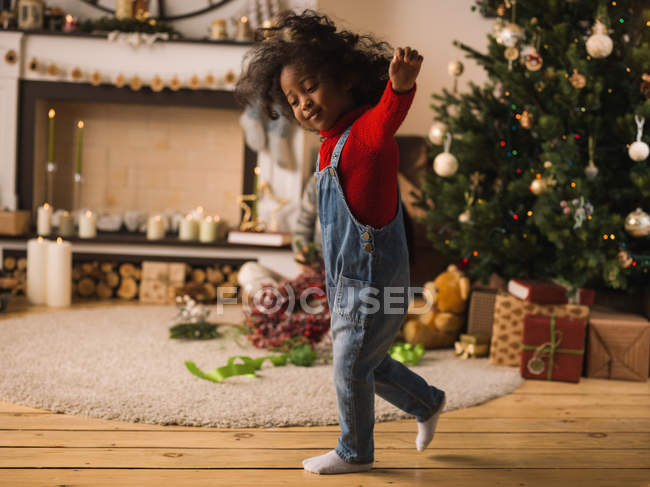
(348, 88)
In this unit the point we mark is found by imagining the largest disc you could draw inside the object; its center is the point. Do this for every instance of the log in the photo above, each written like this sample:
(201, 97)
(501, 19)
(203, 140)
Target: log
(107, 267)
(137, 274)
(232, 278)
(127, 270)
(128, 288)
(76, 273)
(87, 268)
(86, 287)
(198, 275)
(226, 292)
(104, 291)
(226, 269)
(112, 279)
(215, 276)
(9, 263)
(210, 291)
(21, 264)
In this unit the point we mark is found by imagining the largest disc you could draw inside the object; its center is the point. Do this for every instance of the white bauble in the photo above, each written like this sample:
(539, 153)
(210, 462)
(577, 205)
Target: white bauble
(637, 223)
(510, 35)
(455, 68)
(639, 151)
(591, 171)
(445, 164)
(437, 133)
(599, 45)
(465, 217)
(538, 186)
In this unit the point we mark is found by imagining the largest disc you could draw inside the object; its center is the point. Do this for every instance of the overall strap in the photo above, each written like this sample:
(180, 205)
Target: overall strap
(336, 154)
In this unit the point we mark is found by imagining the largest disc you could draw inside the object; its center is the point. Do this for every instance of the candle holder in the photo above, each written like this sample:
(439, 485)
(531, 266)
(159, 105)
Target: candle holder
(51, 169)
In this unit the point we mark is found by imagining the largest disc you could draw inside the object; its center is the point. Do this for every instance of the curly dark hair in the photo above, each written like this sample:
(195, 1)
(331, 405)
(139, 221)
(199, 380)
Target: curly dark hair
(311, 41)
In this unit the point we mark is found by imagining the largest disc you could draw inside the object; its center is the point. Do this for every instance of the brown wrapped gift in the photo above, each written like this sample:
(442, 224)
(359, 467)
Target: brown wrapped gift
(15, 222)
(509, 313)
(481, 312)
(618, 346)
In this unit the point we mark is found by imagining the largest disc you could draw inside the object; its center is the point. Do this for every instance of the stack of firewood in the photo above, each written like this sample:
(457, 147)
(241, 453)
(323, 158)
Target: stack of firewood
(105, 280)
(15, 270)
(211, 283)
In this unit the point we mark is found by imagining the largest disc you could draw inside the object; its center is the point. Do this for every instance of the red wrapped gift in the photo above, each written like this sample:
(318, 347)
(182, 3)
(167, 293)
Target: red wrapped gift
(552, 348)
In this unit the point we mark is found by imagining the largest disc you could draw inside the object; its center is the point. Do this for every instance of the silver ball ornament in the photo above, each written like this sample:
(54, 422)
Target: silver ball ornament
(437, 133)
(638, 151)
(445, 164)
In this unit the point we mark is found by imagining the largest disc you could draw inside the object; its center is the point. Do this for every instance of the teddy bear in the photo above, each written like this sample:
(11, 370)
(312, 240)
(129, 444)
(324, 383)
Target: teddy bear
(437, 324)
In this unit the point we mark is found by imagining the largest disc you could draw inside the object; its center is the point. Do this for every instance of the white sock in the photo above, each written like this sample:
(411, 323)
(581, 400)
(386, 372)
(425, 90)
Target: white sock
(331, 463)
(427, 428)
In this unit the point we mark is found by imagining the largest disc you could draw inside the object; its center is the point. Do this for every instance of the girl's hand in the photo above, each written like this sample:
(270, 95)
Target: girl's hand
(404, 68)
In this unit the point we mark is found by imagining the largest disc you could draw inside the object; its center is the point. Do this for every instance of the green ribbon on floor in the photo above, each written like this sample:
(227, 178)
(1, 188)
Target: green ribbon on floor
(407, 353)
(231, 369)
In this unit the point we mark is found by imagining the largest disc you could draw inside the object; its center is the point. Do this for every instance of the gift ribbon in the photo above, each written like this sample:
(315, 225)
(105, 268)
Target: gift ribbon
(407, 353)
(231, 369)
(551, 348)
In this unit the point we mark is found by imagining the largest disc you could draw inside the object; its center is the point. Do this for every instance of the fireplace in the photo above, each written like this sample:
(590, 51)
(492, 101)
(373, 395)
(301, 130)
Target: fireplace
(142, 151)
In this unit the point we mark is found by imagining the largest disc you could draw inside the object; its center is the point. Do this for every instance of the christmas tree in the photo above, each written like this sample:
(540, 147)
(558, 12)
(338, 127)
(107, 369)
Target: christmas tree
(539, 172)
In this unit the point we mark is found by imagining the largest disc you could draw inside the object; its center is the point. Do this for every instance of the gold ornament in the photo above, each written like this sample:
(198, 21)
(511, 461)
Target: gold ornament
(135, 84)
(120, 80)
(455, 68)
(511, 53)
(501, 10)
(11, 57)
(52, 69)
(533, 61)
(76, 74)
(175, 84)
(527, 119)
(645, 85)
(210, 80)
(548, 164)
(510, 35)
(96, 78)
(157, 84)
(194, 83)
(465, 217)
(230, 77)
(34, 65)
(637, 223)
(577, 80)
(591, 171)
(538, 186)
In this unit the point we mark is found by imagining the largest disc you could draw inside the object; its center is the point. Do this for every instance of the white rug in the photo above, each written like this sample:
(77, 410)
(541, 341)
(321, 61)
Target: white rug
(118, 363)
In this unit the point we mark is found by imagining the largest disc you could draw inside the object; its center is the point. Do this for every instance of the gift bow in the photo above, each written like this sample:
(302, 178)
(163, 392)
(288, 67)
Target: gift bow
(550, 349)
(407, 353)
(247, 368)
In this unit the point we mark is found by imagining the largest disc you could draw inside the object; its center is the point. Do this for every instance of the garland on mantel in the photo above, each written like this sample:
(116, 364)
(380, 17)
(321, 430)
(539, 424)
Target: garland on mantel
(157, 83)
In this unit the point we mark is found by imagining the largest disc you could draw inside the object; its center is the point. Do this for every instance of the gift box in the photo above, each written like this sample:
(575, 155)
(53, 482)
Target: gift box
(472, 346)
(481, 312)
(15, 222)
(618, 346)
(552, 348)
(508, 324)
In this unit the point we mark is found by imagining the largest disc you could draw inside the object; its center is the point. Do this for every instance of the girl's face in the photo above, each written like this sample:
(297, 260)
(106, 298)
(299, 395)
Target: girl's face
(317, 104)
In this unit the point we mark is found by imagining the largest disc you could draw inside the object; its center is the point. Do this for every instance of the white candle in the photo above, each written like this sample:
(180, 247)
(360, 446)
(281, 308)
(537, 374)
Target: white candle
(66, 224)
(36, 268)
(208, 231)
(59, 273)
(87, 225)
(44, 220)
(155, 228)
(188, 228)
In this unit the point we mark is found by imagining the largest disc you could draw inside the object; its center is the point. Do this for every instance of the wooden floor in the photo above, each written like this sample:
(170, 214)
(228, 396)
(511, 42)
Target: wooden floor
(595, 433)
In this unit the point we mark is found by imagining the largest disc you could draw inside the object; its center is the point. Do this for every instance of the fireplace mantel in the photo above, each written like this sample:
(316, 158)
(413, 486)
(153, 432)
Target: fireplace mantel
(165, 60)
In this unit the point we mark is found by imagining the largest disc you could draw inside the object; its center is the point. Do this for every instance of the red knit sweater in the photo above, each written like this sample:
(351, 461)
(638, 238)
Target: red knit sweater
(369, 162)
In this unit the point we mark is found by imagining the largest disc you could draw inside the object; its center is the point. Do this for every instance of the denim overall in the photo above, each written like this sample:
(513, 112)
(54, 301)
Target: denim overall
(367, 277)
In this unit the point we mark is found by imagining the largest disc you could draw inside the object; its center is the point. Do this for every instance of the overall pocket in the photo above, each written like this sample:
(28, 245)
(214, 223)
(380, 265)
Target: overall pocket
(356, 301)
